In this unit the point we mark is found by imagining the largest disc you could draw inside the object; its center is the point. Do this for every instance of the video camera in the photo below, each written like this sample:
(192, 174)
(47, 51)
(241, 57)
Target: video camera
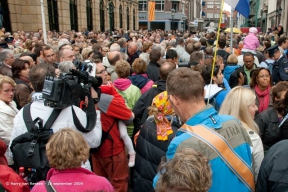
(69, 89)
(83, 66)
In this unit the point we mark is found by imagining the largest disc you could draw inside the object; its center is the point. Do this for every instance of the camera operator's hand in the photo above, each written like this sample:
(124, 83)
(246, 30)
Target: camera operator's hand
(94, 95)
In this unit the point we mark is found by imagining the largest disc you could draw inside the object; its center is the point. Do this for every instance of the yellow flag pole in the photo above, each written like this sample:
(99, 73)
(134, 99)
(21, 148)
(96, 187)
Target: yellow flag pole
(216, 48)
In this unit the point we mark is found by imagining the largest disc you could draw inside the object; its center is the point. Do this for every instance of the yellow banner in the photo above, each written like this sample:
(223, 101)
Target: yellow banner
(151, 11)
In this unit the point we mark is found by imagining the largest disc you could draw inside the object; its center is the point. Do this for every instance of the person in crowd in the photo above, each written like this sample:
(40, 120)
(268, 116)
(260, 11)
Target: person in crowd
(283, 45)
(8, 177)
(203, 42)
(146, 49)
(196, 58)
(269, 120)
(187, 171)
(66, 55)
(65, 119)
(237, 78)
(280, 66)
(110, 160)
(251, 41)
(219, 62)
(188, 103)
(213, 92)
(172, 55)
(65, 66)
(113, 57)
(132, 52)
(139, 77)
(29, 59)
(153, 66)
(235, 49)
(269, 61)
(240, 103)
(274, 169)
(66, 163)
(232, 65)
(141, 106)
(8, 111)
(221, 50)
(261, 83)
(180, 49)
(248, 66)
(6, 59)
(130, 94)
(23, 89)
(153, 141)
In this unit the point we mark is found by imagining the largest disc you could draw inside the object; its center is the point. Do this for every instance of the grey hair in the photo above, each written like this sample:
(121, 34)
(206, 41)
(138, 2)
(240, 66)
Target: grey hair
(62, 42)
(115, 47)
(64, 66)
(124, 56)
(4, 54)
(173, 42)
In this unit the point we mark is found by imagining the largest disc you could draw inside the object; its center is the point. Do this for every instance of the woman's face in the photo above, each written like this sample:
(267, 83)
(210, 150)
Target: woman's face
(263, 78)
(252, 109)
(7, 93)
(25, 72)
(221, 65)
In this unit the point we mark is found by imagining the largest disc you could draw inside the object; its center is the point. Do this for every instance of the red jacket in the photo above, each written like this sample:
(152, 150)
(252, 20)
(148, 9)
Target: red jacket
(113, 108)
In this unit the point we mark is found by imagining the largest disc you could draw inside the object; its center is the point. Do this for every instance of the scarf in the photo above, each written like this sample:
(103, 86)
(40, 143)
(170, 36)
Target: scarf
(164, 108)
(264, 98)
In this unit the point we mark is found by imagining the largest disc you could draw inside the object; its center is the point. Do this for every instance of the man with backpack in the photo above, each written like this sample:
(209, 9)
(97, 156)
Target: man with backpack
(40, 113)
(221, 50)
(269, 61)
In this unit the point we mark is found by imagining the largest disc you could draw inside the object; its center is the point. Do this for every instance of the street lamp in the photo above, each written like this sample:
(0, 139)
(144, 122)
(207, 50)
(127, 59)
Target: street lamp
(110, 8)
(172, 15)
(184, 21)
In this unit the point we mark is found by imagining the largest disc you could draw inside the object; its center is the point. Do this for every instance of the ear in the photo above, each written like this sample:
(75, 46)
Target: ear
(174, 100)
(214, 78)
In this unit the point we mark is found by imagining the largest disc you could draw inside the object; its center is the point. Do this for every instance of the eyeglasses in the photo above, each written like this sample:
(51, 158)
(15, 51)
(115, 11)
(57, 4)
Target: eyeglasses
(264, 76)
(102, 71)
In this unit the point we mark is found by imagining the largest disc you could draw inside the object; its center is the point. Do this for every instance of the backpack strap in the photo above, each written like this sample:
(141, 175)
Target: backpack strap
(49, 187)
(221, 146)
(52, 118)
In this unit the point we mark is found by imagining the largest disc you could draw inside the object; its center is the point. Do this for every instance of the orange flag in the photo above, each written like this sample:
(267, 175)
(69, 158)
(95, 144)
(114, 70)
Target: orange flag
(151, 11)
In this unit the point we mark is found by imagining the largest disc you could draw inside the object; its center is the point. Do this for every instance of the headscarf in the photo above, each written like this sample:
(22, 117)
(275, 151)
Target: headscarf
(163, 106)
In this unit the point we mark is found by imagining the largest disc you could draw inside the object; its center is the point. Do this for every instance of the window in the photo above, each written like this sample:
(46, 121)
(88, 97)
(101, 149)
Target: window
(159, 5)
(102, 16)
(120, 16)
(73, 15)
(53, 15)
(175, 5)
(111, 15)
(142, 5)
(210, 6)
(209, 15)
(89, 15)
(128, 18)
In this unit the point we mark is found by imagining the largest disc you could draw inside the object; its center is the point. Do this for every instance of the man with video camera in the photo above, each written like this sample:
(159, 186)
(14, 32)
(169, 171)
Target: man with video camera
(66, 118)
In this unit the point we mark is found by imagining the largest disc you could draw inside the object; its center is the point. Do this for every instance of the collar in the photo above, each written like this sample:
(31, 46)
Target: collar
(280, 57)
(198, 118)
(37, 96)
(6, 65)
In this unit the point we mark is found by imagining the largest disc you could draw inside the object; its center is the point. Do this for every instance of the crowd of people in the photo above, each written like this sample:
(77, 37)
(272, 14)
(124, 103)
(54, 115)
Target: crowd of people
(177, 111)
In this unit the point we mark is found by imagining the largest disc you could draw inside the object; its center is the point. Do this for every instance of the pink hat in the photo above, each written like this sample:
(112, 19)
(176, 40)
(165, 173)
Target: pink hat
(253, 30)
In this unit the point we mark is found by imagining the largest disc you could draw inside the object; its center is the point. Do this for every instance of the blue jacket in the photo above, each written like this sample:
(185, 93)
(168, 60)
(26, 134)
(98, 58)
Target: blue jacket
(223, 179)
(228, 70)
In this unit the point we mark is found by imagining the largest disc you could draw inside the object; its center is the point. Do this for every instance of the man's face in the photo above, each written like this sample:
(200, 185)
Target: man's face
(68, 55)
(248, 61)
(219, 78)
(132, 50)
(9, 60)
(101, 72)
(277, 55)
(285, 46)
(50, 56)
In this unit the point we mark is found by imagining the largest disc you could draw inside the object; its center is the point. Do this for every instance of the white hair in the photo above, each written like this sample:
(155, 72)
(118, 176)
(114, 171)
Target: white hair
(62, 42)
(115, 47)
(64, 66)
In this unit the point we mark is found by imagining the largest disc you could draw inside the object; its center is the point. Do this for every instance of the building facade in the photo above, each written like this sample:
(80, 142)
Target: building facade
(63, 15)
(211, 12)
(170, 15)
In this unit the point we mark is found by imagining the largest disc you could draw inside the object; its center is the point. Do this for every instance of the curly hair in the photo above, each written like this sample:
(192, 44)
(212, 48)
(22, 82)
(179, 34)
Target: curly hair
(122, 68)
(139, 66)
(67, 149)
(255, 74)
(188, 170)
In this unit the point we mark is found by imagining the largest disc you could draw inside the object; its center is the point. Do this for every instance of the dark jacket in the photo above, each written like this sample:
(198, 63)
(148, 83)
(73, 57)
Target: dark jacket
(280, 70)
(131, 58)
(140, 108)
(149, 152)
(153, 71)
(241, 69)
(273, 171)
(268, 123)
(224, 54)
(22, 93)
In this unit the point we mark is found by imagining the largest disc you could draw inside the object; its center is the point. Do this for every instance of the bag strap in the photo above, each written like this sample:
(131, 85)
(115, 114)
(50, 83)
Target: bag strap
(30, 124)
(49, 186)
(220, 145)
(148, 103)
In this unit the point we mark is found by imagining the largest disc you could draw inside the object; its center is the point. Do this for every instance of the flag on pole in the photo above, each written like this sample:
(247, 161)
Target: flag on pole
(242, 6)
(151, 11)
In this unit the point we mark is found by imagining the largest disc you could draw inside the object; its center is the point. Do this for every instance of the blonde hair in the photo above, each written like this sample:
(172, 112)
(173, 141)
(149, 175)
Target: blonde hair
(67, 149)
(122, 68)
(236, 104)
(6, 79)
(187, 171)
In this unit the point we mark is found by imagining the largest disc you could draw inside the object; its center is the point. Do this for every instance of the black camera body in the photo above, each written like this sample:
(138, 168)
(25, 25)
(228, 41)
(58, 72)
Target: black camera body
(69, 89)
